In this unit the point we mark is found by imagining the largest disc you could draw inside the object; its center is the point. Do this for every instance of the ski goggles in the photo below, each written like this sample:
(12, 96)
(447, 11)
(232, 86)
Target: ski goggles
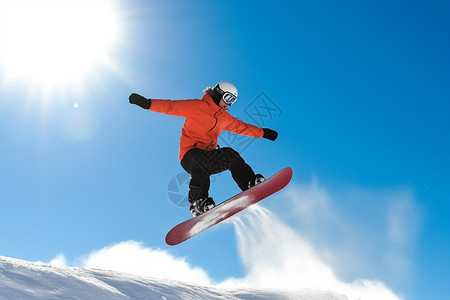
(229, 98)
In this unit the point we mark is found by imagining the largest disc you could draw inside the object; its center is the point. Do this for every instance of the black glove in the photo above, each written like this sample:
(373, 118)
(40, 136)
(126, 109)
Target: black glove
(139, 100)
(270, 134)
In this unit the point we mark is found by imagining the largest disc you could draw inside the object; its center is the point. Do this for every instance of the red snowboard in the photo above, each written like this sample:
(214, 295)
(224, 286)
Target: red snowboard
(226, 209)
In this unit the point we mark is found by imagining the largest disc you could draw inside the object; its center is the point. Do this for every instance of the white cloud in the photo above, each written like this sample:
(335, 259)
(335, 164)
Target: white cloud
(59, 260)
(134, 258)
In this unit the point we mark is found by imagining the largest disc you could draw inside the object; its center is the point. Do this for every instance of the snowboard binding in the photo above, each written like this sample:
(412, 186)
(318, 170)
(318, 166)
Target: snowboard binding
(201, 206)
(258, 179)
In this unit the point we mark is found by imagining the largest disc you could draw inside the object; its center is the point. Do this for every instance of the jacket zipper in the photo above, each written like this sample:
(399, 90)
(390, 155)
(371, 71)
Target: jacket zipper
(215, 124)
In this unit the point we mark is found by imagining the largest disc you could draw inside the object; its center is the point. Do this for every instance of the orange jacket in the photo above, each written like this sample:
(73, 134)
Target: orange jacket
(205, 120)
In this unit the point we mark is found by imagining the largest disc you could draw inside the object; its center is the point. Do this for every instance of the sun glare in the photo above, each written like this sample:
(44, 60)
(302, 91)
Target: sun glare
(53, 43)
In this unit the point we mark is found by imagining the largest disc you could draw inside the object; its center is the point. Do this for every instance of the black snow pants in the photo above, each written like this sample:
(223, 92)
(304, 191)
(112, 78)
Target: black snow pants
(202, 164)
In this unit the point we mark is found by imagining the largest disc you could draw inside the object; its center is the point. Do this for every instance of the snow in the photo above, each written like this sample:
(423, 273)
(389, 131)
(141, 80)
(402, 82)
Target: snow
(29, 280)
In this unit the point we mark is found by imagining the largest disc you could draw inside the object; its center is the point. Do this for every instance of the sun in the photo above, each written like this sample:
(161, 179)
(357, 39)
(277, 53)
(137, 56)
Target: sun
(53, 43)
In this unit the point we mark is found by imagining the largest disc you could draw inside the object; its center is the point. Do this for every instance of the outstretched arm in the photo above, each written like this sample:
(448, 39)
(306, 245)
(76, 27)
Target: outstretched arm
(169, 107)
(237, 126)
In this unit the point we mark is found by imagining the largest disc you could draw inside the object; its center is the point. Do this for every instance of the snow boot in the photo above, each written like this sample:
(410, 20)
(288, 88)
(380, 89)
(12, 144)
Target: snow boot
(200, 206)
(258, 179)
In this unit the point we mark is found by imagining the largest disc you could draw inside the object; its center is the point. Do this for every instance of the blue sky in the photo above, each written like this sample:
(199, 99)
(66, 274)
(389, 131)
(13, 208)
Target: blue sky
(362, 91)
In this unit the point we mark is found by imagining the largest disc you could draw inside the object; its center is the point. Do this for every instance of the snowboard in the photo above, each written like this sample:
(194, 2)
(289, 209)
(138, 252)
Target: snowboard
(228, 208)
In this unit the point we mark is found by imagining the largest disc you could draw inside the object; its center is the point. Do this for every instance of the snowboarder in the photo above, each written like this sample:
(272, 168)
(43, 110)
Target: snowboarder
(200, 154)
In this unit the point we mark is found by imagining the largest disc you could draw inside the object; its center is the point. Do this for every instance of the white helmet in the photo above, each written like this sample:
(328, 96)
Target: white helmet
(228, 91)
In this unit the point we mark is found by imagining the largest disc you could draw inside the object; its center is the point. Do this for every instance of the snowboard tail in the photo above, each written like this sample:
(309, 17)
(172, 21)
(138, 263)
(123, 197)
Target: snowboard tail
(228, 208)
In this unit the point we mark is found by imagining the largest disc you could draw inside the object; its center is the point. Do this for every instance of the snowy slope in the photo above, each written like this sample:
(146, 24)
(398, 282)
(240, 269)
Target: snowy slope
(27, 280)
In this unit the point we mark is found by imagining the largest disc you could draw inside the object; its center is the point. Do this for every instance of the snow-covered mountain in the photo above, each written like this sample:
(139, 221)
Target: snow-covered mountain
(28, 280)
